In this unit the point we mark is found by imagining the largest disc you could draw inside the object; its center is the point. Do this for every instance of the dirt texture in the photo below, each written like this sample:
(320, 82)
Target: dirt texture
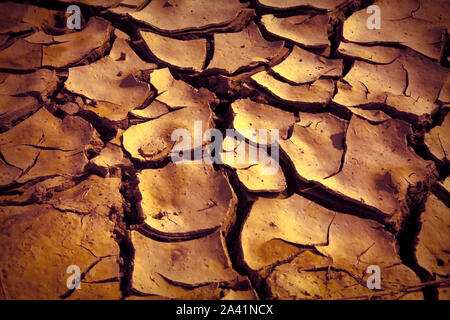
(334, 157)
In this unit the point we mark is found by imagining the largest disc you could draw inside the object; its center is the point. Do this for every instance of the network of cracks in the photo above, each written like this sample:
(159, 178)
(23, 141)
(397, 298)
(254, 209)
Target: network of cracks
(86, 123)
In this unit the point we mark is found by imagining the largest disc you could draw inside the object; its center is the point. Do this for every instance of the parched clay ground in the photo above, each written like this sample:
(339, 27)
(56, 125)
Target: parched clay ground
(86, 118)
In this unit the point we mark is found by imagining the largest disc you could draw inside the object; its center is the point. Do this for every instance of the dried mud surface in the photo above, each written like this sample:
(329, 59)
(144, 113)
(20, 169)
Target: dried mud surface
(86, 118)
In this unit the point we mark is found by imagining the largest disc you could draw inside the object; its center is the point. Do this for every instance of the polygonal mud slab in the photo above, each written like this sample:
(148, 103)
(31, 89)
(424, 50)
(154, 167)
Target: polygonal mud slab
(309, 31)
(32, 150)
(425, 80)
(302, 248)
(341, 272)
(40, 37)
(156, 140)
(72, 48)
(244, 49)
(318, 92)
(109, 161)
(438, 140)
(109, 290)
(316, 146)
(375, 54)
(22, 107)
(313, 67)
(21, 55)
(23, 17)
(379, 167)
(374, 245)
(152, 141)
(369, 83)
(432, 251)
(255, 169)
(111, 82)
(240, 295)
(326, 5)
(173, 16)
(36, 191)
(309, 276)
(267, 239)
(168, 269)
(154, 110)
(110, 114)
(183, 54)
(186, 198)
(176, 93)
(274, 226)
(299, 280)
(213, 291)
(128, 6)
(444, 95)
(15, 108)
(411, 84)
(446, 184)
(371, 115)
(256, 122)
(42, 82)
(72, 226)
(40, 243)
(444, 290)
(94, 195)
(412, 23)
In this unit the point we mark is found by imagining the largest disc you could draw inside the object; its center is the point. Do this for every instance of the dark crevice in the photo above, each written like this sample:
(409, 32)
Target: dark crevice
(68, 293)
(442, 193)
(407, 239)
(156, 235)
(417, 143)
(130, 217)
(328, 198)
(106, 128)
(209, 51)
(233, 242)
(126, 260)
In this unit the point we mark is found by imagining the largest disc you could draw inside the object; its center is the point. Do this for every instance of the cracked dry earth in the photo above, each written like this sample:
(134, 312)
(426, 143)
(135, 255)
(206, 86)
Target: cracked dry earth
(86, 118)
